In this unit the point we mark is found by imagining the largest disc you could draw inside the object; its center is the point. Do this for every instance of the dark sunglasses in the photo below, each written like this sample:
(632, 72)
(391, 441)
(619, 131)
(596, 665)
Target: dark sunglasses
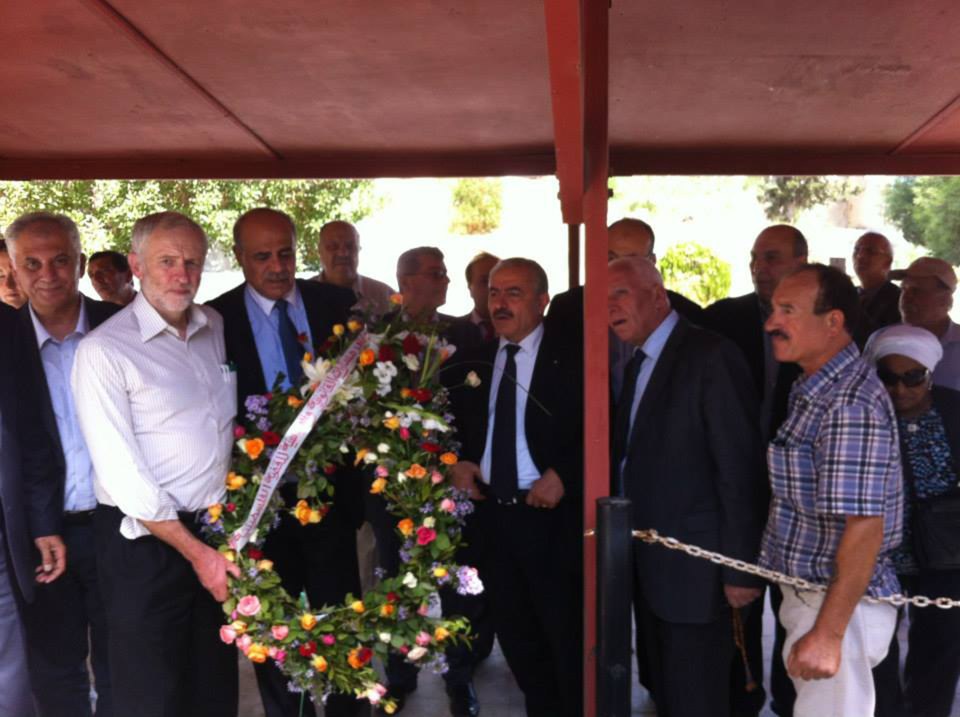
(911, 379)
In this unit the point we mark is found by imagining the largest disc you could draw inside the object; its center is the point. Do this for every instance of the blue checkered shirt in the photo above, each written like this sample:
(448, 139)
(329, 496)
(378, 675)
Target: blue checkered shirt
(836, 455)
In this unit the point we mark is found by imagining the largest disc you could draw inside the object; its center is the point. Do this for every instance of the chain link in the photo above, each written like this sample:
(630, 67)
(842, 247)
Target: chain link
(653, 537)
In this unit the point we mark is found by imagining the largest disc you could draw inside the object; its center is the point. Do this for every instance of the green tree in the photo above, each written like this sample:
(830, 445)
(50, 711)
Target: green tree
(696, 272)
(927, 211)
(476, 206)
(783, 198)
(106, 210)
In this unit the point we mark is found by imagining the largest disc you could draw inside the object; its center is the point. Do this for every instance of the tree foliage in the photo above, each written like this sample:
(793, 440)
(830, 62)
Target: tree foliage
(106, 210)
(927, 211)
(696, 272)
(783, 198)
(476, 206)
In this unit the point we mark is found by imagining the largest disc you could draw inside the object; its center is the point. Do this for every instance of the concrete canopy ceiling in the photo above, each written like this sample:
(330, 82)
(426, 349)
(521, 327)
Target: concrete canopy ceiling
(127, 88)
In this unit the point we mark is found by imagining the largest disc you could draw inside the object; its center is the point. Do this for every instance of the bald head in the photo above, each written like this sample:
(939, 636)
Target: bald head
(339, 249)
(872, 259)
(777, 250)
(630, 237)
(637, 303)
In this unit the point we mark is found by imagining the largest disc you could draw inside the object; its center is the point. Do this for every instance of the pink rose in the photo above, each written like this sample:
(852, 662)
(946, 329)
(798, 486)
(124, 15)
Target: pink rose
(328, 640)
(243, 643)
(404, 433)
(423, 638)
(239, 432)
(436, 478)
(280, 656)
(249, 605)
(279, 632)
(382, 472)
(228, 634)
(425, 536)
(447, 505)
(423, 610)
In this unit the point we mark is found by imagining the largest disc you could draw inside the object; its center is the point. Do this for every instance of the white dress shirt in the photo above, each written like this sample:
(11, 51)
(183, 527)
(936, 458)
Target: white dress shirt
(525, 359)
(157, 412)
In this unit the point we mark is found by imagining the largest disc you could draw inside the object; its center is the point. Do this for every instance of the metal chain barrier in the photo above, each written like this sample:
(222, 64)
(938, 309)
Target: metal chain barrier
(653, 537)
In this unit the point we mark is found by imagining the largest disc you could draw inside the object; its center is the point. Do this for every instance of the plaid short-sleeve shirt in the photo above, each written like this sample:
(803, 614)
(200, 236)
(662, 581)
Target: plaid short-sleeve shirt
(836, 455)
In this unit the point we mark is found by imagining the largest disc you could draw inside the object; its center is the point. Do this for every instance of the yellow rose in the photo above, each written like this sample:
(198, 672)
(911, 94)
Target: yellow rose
(257, 653)
(338, 329)
(215, 511)
(354, 325)
(378, 485)
(440, 572)
(239, 627)
(254, 447)
(319, 663)
(302, 512)
(393, 423)
(405, 527)
(449, 459)
(308, 621)
(389, 708)
(357, 606)
(265, 565)
(235, 482)
(229, 555)
(441, 634)
(315, 516)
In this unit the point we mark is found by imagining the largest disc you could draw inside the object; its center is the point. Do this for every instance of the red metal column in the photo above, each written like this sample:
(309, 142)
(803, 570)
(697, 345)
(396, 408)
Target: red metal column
(596, 368)
(573, 255)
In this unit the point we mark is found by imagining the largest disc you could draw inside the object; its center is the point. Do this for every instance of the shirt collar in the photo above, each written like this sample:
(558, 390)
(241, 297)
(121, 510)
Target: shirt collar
(152, 324)
(43, 335)
(952, 335)
(529, 343)
(653, 346)
(828, 373)
(266, 305)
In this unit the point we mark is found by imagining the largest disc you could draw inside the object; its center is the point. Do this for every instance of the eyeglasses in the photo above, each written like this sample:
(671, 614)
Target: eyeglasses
(910, 379)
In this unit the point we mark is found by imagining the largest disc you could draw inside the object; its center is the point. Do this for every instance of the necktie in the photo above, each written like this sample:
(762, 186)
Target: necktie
(621, 423)
(503, 463)
(292, 350)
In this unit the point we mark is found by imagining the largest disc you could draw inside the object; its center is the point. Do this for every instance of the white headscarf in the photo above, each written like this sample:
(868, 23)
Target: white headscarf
(903, 340)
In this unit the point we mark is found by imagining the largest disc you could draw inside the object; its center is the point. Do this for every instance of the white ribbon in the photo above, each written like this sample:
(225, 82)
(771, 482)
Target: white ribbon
(295, 436)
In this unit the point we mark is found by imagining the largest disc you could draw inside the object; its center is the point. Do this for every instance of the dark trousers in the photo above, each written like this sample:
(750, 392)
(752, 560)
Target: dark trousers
(533, 584)
(782, 692)
(66, 623)
(461, 659)
(166, 657)
(886, 679)
(686, 666)
(747, 695)
(320, 560)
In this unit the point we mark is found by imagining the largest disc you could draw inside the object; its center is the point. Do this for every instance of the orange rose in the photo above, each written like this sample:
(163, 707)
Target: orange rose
(253, 447)
(354, 325)
(257, 653)
(294, 402)
(358, 607)
(405, 527)
(308, 621)
(302, 512)
(396, 298)
(416, 471)
(441, 634)
(378, 485)
(449, 459)
(360, 454)
(387, 610)
(405, 393)
(319, 663)
(235, 482)
(367, 357)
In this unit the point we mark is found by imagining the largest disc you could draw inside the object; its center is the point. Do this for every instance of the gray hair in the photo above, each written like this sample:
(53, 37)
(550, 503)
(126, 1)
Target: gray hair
(31, 219)
(540, 284)
(147, 225)
(409, 262)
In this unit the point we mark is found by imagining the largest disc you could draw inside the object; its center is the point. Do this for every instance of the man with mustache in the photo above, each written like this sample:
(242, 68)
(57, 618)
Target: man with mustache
(270, 321)
(66, 622)
(339, 249)
(777, 250)
(110, 274)
(686, 451)
(837, 505)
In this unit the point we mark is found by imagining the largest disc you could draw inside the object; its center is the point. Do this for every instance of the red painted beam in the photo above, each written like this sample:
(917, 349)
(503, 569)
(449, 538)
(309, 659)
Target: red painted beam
(566, 94)
(596, 369)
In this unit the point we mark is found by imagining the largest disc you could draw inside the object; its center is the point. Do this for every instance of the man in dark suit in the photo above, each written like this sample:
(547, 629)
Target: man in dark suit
(270, 321)
(777, 250)
(478, 278)
(67, 619)
(30, 508)
(879, 297)
(687, 453)
(522, 462)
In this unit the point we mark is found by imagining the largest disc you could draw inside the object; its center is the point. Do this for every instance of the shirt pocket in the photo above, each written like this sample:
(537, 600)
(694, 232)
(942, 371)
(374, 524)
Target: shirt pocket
(226, 398)
(793, 474)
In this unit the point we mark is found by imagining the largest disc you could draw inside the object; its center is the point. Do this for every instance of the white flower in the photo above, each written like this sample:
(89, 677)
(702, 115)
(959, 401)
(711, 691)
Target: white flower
(384, 371)
(410, 580)
(429, 522)
(315, 372)
(370, 457)
(383, 448)
(431, 424)
(343, 448)
(411, 362)
(416, 653)
(472, 379)
(385, 637)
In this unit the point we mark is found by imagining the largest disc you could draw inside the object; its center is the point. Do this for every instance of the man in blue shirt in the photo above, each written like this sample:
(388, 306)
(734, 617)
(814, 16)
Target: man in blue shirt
(837, 503)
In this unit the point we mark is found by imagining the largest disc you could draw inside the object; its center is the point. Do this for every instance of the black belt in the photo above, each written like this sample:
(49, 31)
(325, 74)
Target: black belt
(517, 499)
(78, 517)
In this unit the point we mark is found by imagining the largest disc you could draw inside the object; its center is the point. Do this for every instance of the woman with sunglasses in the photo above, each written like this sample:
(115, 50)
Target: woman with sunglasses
(928, 419)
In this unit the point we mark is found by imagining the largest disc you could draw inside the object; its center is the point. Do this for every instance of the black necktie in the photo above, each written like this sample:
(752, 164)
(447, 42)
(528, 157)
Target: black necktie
(292, 350)
(503, 463)
(621, 423)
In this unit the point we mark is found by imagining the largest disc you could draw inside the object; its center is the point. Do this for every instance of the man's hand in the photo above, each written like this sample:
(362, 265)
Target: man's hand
(466, 476)
(815, 656)
(546, 491)
(739, 596)
(211, 568)
(53, 558)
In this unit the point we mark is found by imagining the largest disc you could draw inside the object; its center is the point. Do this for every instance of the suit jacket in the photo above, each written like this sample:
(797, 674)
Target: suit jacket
(882, 309)
(31, 489)
(694, 471)
(325, 305)
(31, 362)
(740, 320)
(554, 415)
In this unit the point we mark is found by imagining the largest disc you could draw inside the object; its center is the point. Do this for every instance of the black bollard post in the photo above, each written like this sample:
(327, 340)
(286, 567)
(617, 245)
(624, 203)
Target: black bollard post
(614, 595)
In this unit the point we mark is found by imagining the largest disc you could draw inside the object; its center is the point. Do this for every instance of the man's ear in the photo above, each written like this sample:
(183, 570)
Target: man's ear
(135, 265)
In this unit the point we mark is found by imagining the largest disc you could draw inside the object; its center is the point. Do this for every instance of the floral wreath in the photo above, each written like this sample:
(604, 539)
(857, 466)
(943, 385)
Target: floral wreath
(387, 412)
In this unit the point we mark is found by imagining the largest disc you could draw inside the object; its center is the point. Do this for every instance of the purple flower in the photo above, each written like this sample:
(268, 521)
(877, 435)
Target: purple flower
(263, 424)
(468, 581)
(256, 405)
